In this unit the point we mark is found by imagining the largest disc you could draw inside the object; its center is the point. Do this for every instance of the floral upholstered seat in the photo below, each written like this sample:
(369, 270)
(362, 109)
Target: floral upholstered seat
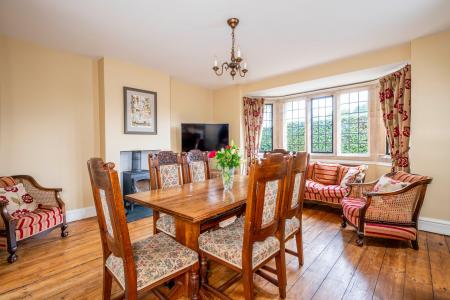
(291, 226)
(155, 258)
(166, 224)
(226, 244)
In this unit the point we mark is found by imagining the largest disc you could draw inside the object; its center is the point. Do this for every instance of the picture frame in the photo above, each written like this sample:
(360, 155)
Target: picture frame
(140, 111)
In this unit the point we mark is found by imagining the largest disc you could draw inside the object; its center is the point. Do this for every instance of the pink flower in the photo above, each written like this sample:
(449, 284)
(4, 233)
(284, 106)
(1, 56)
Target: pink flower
(27, 198)
(228, 147)
(3, 199)
(212, 154)
(13, 189)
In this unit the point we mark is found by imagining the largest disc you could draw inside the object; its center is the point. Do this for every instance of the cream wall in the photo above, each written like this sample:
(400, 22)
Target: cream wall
(228, 109)
(116, 75)
(189, 104)
(430, 126)
(49, 117)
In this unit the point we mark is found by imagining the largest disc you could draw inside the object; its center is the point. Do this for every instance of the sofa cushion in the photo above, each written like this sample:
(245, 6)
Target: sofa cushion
(386, 184)
(7, 181)
(326, 173)
(17, 200)
(334, 191)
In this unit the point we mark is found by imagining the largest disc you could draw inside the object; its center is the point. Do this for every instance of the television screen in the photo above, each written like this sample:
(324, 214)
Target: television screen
(205, 137)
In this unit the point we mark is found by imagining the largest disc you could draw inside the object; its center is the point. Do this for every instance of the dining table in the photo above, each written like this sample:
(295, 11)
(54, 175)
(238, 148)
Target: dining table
(195, 204)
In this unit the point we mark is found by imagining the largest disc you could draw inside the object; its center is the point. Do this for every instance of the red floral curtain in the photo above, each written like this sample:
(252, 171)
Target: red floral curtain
(395, 100)
(253, 119)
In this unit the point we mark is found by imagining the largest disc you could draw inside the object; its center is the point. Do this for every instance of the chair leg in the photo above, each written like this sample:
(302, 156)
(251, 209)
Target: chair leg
(247, 277)
(344, 222)
(299, 242)
(415, 244)
(360, 239)
(194, 282)
(280, 262)
(203, 268)
(107, 284)
(64, 232)
(11, 244)
(12, 255)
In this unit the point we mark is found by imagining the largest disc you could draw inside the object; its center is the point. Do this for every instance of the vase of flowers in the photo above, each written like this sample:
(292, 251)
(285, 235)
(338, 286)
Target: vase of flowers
(228, 159)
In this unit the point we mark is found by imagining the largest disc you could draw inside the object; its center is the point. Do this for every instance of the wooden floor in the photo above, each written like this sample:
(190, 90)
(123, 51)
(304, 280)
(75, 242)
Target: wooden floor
(334, 268)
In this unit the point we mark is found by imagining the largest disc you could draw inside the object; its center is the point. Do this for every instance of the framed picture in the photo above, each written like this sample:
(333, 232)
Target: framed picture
(140, 111)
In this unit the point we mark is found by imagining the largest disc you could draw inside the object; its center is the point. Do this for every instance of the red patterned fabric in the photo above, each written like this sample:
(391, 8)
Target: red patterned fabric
(342, 172)
(407, 177)
(310, 171)
(7, 182)
(395, 100)
(326, 193)
(326, 173)
(253, 119)
(351, 208)
(37, 221)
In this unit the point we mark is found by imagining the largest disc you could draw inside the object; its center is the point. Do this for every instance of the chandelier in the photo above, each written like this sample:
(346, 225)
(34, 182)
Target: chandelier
(236, 64)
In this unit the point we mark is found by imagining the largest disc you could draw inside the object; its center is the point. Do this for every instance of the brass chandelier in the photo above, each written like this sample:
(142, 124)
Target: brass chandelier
(236, 65)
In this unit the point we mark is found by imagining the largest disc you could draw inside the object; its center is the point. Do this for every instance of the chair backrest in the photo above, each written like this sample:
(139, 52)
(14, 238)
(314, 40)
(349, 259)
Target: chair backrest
(111, 215)
(165, 169)
(197, 166)
(265, 211)
(279, 150)
(296, 184)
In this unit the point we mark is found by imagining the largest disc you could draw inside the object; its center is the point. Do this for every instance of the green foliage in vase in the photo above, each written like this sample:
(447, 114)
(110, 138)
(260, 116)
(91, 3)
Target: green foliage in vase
(227, 157)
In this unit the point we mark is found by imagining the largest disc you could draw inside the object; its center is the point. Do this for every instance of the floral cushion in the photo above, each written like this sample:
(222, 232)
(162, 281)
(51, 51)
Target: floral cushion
(291, 226)
(17, 200)
(226, 244)
(197, 171)
(350, 177)
(169, 176)
(156, 257)
(386, 184)
(298, 179)
(166, 224)
(270, 201)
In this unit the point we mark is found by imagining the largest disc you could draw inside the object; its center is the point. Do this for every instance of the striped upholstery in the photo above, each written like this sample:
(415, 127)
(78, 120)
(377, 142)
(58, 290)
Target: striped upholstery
(351, 208)
(342, 172)
(326, 193)
(7, 182)
(407, 177)
(36, 221)
(326, 173)
(310, 171)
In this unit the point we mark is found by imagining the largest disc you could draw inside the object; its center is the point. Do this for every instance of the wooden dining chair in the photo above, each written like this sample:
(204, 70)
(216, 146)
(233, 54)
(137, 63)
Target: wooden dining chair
(165, 172)
(140, 266)
(196, 165)
(294, 202)
(247, 247)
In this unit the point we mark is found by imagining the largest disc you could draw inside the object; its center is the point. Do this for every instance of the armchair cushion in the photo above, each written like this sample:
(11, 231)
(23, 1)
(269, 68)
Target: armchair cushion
(155, 258)
(387, 184)
(34, 222)
(17, 200)
(226, 244)
(7, 181)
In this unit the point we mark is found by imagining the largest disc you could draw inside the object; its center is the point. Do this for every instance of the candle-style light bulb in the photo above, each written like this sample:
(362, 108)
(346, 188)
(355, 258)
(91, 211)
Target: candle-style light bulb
(215, 61)
(238, 52)
(244, 65)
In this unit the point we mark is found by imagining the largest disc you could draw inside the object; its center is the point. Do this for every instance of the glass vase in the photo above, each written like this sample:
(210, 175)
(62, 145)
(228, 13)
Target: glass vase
(227, 178)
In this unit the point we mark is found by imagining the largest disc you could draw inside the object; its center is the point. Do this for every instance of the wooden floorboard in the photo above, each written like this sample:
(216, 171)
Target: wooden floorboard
(334, 267)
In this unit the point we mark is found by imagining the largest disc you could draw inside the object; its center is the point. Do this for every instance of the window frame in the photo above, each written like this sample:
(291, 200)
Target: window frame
(272, 128)
(283, 120)
(310, 100)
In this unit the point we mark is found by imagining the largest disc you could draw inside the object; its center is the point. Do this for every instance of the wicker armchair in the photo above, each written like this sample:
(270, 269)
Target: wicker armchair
(392, 215)
(49, 215)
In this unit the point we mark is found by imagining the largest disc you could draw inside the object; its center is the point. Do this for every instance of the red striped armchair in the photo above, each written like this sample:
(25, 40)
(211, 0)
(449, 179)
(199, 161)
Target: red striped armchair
(391, 215)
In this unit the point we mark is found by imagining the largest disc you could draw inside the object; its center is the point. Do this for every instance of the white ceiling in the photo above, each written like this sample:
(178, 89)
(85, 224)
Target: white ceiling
(182, 37)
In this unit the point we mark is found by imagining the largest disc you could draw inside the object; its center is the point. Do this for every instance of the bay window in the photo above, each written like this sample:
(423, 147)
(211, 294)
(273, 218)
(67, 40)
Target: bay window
(294, 125)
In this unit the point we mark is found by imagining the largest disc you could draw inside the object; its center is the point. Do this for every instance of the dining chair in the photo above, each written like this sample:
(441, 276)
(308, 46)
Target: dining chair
(197, 166)
(246, 247)
(294, 202)
(143, 265)
(165, 172)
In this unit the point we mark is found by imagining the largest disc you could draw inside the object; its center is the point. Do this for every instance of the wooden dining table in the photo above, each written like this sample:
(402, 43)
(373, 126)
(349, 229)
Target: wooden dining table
(195, 204)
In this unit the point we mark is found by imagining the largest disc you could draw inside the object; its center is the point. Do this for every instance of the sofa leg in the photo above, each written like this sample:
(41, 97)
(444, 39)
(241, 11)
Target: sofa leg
(64, 232)
(360, 239)
(415, 244)
(344, 222)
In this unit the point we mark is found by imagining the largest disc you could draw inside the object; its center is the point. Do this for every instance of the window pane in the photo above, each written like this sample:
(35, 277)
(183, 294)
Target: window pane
(294, 125)
(354, 122)
(267, 129)
(322, 125)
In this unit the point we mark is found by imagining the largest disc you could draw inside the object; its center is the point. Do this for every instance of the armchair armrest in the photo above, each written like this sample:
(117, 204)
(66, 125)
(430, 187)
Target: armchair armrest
(357, 190)
(5, 218)
(44, 196)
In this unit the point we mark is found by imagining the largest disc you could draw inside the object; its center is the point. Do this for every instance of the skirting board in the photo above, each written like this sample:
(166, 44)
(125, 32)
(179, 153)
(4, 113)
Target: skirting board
(80, 213)
(425, 224)
(434, 225)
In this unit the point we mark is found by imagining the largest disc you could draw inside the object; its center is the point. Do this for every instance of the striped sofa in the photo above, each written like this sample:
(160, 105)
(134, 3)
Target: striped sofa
(323, 182)
(391, 215)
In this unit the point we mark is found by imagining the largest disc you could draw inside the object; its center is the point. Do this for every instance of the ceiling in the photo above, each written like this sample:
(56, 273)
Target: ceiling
(182, 37)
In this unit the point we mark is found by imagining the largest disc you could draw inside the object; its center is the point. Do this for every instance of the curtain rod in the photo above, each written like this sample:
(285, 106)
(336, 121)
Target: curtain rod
(321, 89)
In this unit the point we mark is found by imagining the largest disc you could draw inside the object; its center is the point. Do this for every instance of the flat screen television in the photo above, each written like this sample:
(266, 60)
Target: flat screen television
(205, 137)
